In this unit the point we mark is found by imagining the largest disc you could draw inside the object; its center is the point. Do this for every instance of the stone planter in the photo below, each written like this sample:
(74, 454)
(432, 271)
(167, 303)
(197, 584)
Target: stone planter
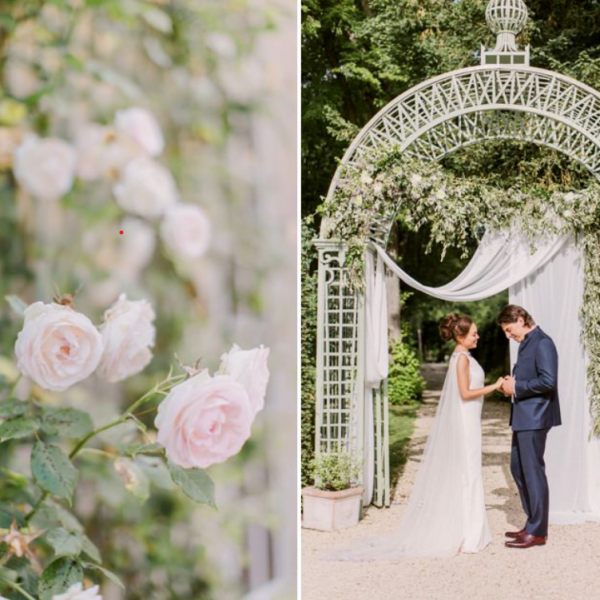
(331, 511)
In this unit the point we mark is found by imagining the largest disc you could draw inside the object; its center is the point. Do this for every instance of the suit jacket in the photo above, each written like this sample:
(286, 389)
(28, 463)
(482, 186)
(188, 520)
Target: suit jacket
(536, 404)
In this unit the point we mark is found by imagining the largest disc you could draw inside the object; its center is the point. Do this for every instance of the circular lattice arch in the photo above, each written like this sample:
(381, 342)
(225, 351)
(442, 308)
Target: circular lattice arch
(484, 103)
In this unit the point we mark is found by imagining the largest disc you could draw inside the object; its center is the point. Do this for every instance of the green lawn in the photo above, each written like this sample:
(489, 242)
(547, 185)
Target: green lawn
(402, 423)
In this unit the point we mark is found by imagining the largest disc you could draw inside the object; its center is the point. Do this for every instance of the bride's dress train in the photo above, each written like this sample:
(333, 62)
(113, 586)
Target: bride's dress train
(446, 511)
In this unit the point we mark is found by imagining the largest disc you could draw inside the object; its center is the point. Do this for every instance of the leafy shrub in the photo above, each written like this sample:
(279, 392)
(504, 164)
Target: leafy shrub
(335, 471)
(308, 334)
(405, 383)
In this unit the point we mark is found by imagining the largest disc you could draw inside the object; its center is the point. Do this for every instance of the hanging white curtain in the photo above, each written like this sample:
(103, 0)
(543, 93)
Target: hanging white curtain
(548, 283)
(553, 295)
(377, 361)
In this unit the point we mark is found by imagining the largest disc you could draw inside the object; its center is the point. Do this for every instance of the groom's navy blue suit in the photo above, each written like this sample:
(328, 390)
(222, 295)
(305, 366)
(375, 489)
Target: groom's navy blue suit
(535, 410)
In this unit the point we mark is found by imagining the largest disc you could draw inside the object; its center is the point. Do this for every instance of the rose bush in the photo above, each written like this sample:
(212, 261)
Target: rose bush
(202, 420)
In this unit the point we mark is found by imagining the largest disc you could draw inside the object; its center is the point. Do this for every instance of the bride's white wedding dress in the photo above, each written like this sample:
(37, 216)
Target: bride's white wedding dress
(446, 512)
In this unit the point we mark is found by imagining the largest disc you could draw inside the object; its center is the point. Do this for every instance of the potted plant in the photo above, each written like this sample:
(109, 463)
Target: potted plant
(334, 502)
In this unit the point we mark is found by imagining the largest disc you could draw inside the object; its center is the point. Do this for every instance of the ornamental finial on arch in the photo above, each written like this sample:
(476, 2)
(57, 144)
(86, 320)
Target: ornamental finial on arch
(506, 18)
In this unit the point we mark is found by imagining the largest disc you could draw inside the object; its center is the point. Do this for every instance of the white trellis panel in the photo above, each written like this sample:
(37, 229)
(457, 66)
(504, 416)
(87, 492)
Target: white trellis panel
(340, 357)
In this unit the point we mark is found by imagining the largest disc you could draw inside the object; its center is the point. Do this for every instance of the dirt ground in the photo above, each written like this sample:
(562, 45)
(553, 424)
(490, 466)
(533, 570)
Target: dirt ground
(566, 568)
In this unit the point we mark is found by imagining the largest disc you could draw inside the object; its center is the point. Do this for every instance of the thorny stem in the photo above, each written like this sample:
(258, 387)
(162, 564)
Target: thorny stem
(159, 388)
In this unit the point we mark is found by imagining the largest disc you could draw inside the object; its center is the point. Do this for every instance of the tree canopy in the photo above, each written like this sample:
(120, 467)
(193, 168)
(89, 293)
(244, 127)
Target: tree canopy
(357, 55)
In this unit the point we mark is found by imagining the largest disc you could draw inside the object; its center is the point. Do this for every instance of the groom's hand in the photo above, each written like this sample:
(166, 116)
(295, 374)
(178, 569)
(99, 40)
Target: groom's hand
(508, 387)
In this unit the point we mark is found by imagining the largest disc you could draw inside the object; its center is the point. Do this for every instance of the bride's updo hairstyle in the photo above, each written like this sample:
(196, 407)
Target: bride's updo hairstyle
(454, 326)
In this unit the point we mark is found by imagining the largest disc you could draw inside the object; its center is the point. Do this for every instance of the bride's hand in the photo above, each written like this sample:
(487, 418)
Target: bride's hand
(499, 383)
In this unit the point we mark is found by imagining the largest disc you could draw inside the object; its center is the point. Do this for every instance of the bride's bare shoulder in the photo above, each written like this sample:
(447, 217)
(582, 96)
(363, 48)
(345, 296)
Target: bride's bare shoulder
(463, 359)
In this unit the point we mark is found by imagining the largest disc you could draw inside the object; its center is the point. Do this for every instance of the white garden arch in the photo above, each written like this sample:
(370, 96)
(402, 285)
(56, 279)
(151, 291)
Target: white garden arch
(503, 98)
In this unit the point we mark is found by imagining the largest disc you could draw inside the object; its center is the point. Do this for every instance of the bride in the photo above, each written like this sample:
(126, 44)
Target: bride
(446, 511)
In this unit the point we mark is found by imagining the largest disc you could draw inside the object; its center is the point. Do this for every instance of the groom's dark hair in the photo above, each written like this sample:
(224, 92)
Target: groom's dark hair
(511, 313)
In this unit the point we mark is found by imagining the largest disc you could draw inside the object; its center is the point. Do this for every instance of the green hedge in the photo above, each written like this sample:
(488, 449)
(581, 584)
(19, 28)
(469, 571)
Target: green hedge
(308, 336)
(405, 383)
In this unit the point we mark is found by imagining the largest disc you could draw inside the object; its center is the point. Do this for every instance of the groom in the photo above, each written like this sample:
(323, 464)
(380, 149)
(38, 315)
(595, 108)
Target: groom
(535, 409)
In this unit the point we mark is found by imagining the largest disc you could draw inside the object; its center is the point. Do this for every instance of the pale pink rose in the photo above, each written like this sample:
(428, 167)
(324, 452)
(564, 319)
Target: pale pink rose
(76, 592)
(45, 167)
(136, 248)
(204, 420)
(20, 78)
(57, 346)
(102, 152)
(249, 367)
(222, 44)
(141, 125)
(185, 230)
(128, 333)
(146, 188)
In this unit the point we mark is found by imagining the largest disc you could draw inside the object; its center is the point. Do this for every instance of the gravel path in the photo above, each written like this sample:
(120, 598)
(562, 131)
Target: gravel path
(567, 568)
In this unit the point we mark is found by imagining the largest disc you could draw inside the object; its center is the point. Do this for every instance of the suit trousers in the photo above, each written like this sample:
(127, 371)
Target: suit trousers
(529, 472)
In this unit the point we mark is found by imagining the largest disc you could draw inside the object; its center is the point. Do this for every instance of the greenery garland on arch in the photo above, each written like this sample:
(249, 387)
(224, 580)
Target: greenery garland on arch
(459, 209)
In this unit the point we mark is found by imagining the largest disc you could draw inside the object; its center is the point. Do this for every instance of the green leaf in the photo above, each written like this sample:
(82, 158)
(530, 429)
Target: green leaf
(33, 99)
(8, 515)
(66, 422)
(8, 575)
(59, 577)
(53, 511)
(17, 428)
(195, 483)
(53, 471)
(8, 22)
(109, 574)
(90, 549)
(64, 542)
(12, 407)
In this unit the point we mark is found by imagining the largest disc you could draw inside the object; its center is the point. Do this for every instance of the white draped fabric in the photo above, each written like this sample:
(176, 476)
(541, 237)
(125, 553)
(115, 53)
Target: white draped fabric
(553, 294)
(549, 284)
(377, 361)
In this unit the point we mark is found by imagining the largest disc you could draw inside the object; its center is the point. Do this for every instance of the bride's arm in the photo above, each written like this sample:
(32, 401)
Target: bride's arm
(464, 381)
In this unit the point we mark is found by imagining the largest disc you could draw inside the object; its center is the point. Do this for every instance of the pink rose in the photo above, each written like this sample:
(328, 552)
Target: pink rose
(204, 420)
(128, 333)
(45, 167)
(185, 230)
(249, 367)
(57, 346)
(103, 152)
(141, 125)
(145, 188)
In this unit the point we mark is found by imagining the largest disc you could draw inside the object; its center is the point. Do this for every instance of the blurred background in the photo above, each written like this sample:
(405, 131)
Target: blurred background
(219, 76)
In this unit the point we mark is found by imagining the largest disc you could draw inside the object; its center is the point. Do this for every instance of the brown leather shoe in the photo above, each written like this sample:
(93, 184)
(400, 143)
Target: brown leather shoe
(515, 534)
(527, 541)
